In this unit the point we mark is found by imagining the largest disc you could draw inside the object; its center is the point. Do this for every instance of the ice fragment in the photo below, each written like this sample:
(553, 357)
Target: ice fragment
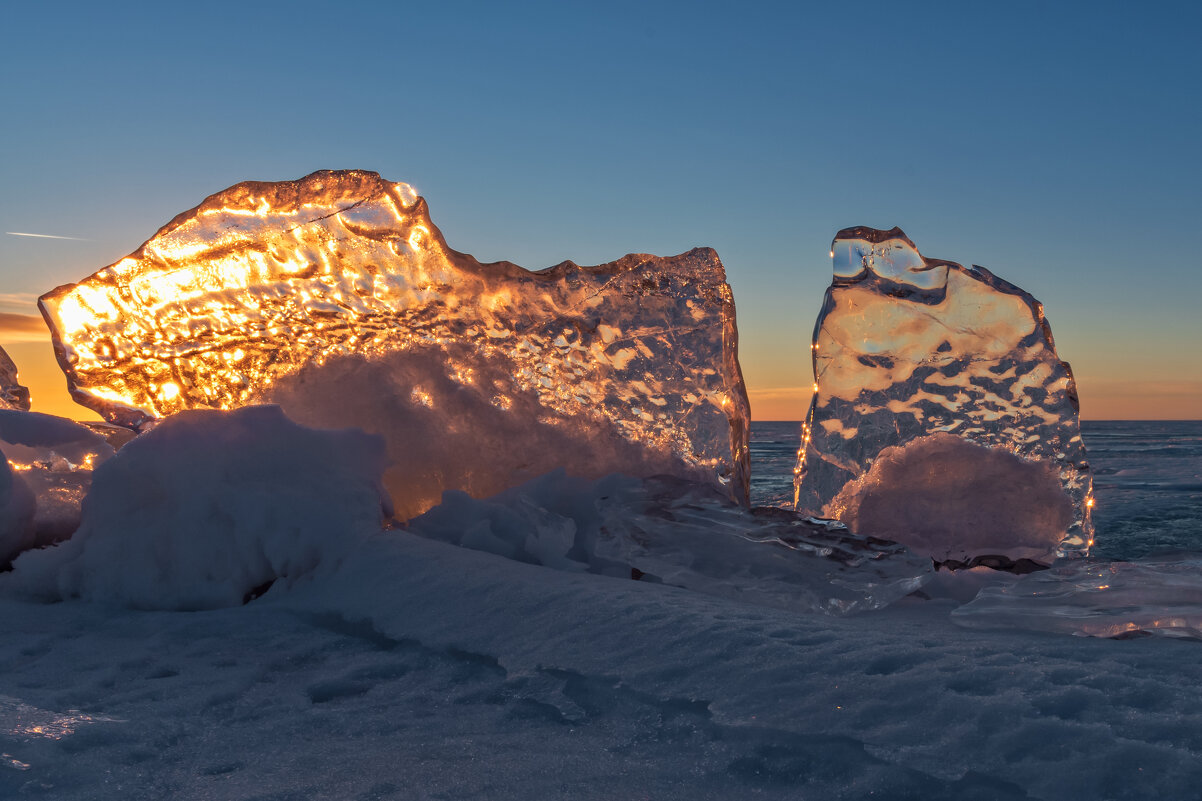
(337, 297)
(915, 358)
(12, 394)
(52, 458)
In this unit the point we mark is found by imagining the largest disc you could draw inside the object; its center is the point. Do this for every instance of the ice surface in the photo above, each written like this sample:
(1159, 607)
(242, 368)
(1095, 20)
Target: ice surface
(1161, 595)
(337, 297)
(907, 347)
(685, 534)
(12, 394)
(53, 458)
(212, 507)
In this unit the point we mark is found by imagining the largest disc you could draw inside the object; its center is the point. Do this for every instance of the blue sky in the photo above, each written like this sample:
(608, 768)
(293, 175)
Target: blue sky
(1056, 144)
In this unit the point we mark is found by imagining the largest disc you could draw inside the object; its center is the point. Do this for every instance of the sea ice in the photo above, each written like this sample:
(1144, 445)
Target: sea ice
(684, 534)
(1159, 595)
(336, 297)
(12, 394)
(52, 458)
(209, 508)
(929, 376)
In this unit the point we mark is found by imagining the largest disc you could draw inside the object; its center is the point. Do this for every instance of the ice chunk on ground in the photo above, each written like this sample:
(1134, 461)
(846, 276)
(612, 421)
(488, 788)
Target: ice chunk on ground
(16, 514)
(681, 533)
(12, 394)
(1161, 595)
(54, 458)
(907, 347)
(212, 507)
(337, 297)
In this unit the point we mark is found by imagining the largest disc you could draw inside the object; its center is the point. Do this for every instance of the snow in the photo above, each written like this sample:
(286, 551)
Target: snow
(210, 507)
(684, 534)
(419, 669)
(505, 664)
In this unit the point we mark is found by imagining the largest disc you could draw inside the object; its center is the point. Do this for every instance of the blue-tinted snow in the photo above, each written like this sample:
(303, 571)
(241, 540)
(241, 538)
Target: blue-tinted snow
(418, 669)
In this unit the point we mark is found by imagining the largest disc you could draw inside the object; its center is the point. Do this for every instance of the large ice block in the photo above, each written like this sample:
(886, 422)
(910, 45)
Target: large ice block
(337, 297)
(12, 394)
(927, 375)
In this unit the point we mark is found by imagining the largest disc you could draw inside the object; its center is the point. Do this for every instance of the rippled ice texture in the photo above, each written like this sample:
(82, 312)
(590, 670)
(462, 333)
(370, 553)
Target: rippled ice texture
(336, 297)
(907, 347)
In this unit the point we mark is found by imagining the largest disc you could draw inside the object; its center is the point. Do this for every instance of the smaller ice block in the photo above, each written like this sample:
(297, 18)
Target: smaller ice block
(942, 370)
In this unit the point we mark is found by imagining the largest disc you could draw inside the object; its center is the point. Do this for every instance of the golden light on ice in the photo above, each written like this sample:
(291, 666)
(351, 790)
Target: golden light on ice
(243, 298)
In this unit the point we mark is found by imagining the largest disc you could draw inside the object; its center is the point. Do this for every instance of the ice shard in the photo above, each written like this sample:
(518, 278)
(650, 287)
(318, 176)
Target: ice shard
(942, 416)
(12, 394)
(336, 297)
(51, 461)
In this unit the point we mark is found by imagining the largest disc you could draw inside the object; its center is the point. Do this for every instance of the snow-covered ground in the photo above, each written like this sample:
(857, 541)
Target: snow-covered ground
(413, 668)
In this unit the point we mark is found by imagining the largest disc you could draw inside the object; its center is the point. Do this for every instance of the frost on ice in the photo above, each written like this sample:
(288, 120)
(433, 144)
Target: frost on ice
(684, 534)
(336, 297)
(942, 415)
(210, 508)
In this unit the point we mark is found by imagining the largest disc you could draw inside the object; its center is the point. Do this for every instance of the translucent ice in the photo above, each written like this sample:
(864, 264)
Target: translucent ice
(336, 297)
(53, 459)
(684, 534)
(12, 394)
(950, 375)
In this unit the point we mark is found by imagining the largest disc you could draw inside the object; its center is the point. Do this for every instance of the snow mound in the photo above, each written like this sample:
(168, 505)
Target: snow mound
(210, 508)
(950, 498)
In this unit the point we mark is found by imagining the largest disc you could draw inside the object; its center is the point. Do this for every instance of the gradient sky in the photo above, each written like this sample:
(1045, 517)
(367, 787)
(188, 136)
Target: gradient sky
(1056, 144)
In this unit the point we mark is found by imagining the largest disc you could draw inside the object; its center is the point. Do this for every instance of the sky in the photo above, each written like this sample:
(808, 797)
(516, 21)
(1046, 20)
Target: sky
(1055, 144)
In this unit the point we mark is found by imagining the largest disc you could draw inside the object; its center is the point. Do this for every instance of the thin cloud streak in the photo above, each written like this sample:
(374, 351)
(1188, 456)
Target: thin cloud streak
(16, 328)
(48, 236)
(20, 302)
